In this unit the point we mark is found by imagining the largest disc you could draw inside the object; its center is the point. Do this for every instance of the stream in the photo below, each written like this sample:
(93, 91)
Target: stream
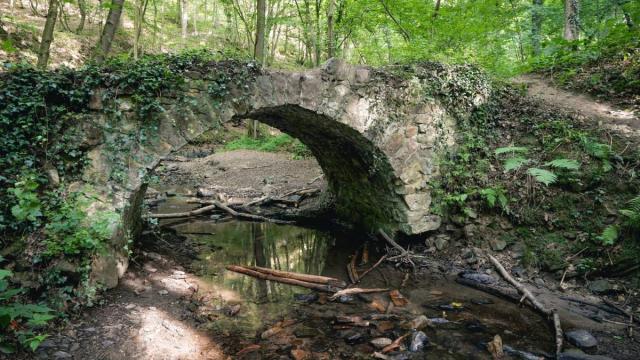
(284, 320)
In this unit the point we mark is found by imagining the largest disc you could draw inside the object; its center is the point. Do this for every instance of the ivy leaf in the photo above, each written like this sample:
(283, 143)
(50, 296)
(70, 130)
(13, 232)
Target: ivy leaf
(567, 164)
(511, 149)
(544, 176)
(514, 163)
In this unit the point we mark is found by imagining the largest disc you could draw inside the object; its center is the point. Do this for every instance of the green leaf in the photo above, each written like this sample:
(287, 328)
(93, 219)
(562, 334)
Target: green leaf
(4, 273)
(567, 164)
(511, 149)
(609, 235)
(541, 175)
(514, 163)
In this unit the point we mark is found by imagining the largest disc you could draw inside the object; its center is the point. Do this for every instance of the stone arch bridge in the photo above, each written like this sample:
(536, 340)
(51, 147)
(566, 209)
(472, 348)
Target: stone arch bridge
(376, 133)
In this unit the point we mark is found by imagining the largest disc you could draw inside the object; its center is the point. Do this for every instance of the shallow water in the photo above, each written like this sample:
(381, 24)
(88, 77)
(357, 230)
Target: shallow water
(262, 303)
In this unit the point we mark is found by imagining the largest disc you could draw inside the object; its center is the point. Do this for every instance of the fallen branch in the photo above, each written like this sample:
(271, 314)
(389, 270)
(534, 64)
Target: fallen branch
(395, 344)
(533, 301)
(298, 276)
(404, 254)
(263, 276)
(354, 291)
(373, 267)
(191, 213)
(249, 216)
(351, 269)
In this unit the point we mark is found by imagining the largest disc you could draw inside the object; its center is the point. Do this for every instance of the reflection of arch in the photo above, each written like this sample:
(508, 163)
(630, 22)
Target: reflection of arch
(376, 133)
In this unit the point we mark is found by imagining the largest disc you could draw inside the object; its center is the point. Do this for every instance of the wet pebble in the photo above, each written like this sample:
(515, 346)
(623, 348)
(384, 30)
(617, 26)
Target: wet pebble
(418, 341)
(582, 339)
(418, 323)
(61, 355)
(346, 299)
(439, 321)
(352, 337)
(380, 343)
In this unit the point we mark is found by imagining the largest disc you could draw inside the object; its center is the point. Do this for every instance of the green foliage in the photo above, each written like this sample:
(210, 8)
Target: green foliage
(543, 176)
(278, 143)
(28, 206)
(19, 322)
(71, 232)
(629, 225)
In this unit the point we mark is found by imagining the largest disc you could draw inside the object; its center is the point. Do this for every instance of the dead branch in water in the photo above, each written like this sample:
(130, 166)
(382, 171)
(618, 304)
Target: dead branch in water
(191, 213)
(299, 276)
(373, 267)
(405, 255)
(289, 281)
(354, 291)
(533, 301)
(351, 269)
(216, 204)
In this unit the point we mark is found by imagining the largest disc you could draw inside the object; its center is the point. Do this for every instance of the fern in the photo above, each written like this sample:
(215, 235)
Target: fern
(609, 235)
(543, 176)
(567, 164)
(514, 163)
(511, 149)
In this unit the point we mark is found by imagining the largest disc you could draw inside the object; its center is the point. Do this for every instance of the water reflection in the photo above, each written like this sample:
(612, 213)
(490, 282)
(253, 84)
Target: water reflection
(281, 247)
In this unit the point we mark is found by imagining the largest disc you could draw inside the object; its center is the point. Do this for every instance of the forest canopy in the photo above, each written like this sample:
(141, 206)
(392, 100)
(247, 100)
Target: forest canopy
(504, 36)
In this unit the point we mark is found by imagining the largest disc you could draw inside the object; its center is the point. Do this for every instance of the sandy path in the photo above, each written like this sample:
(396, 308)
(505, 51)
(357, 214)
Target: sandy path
(623, 122)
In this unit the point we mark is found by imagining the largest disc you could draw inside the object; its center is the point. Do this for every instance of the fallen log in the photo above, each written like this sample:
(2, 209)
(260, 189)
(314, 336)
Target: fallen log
(263, 276)
(536, 304)
(249, 216)
(298, 276)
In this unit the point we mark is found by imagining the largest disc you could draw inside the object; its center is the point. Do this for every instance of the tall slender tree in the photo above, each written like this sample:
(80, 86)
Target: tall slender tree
(536, 25)
(331, 39)
(184, 17)
(109, 30)
(571, 19)
(47, 34)
(261, 26)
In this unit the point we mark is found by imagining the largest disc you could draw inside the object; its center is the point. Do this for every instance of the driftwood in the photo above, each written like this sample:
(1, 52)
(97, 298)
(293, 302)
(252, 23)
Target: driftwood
(284, 280)
(216, 204)
(405, 255)
(191, 213)
(351, 269)
(298, 276)
(373, 267)
(534, 302)
(354, 291)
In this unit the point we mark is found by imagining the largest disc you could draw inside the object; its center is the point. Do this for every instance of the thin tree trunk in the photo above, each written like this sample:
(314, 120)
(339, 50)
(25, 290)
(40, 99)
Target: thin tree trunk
(47, 34)
(82, 7)
(261, 23)
(109, 30)
(195, 19)
(331, 41)
(318, 38)
(184, 18)
(436, 11)
(536, 25)
(571, 20)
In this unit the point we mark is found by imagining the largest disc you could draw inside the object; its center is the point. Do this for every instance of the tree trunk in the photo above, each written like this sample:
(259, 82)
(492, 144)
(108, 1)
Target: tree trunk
(536, 25)
(331, 41)
(184, 17)
(436, 11)
(318, 38)
(109, 30)
(194, 19)
(82, 7)
(261, 23)
(571, 20)
(47, 34)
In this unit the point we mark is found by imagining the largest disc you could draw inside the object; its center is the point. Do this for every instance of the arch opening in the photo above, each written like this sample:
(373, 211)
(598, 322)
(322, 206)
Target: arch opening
(358, 173)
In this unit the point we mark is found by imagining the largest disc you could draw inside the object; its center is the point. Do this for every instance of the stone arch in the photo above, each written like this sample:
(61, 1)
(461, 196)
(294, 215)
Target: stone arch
(377, 134)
